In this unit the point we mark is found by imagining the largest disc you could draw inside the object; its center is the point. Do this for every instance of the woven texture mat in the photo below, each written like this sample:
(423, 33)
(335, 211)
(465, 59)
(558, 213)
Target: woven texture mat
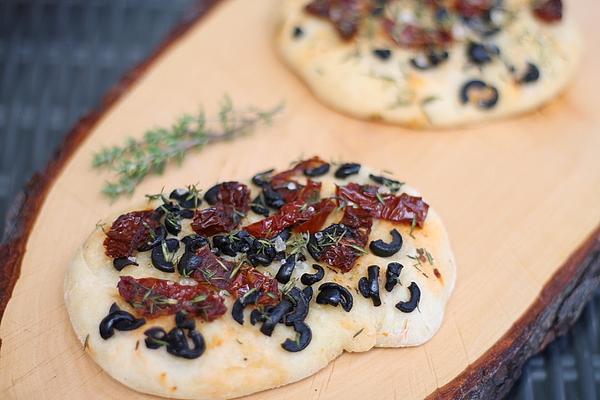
(57, 59)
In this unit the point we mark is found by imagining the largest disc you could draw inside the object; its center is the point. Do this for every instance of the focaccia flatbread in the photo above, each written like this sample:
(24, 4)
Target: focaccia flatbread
(443, 64)
(238, 359)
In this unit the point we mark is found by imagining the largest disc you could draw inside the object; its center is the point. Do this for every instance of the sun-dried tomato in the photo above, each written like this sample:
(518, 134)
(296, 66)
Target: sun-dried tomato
(340, 245)
(151, 298)
(233, 202)
(234, 194)
(289, 189)
(297, 213)
(416, 37)
(211, 269)
(213, 220)
(130, 231)
(548, 10)
(403, 208)
(345, 15)
(473, 8)
(322, 211)
(249, 278)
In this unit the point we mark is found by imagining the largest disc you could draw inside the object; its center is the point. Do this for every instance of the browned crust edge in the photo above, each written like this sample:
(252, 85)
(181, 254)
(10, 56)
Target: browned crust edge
(24, 210)
(490, 376)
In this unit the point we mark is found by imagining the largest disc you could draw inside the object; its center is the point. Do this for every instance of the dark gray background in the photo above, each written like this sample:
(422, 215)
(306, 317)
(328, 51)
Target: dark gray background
(57, 59)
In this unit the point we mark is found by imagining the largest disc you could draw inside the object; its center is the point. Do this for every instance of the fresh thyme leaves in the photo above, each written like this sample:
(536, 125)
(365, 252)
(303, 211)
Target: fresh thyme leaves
(199, 298)
(138, 158)
(101, 225)
(422, 256)
(288, 286)
(297, 244)
(359, 332)
(413, 225)
(86, 342)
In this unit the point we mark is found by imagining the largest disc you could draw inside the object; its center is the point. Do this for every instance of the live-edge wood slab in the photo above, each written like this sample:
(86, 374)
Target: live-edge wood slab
(520, 198)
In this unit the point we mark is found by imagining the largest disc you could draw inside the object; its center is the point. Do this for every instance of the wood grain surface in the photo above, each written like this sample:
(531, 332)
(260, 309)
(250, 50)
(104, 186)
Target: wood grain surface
(520, 199)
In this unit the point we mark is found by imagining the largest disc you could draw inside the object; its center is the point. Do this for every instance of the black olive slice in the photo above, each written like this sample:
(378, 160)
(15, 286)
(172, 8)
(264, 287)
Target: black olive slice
(413, 302)
(333, 294)
(392, 275)
(257, 259)
(300, 301)
(186, 213)
(383, 249)
(532, 74)
(185, 198)
(297, 32)
(259, 205)
(308, 293)
(480, 94)
(155, 239)
(347, 169)
(122, 262)
(275, 316)
(390, 183)
(258, 316)
(155, 337)
(119, 320)
(262, 178)
(178, 344)
(317, 171)
(183, 321)
(272, 198)
(194, 242)
(382, 54)
(310, 279)
(188, 263)
(481, 54)
(303, 338)
(286, 270)
(162, 255)
(224, 244)
(212, 195)
(429, 60)
(369, 287)
(237, 311)
(172, 223)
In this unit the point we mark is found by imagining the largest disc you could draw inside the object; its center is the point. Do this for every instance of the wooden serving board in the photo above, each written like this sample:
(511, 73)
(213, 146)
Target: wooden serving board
(520, 198)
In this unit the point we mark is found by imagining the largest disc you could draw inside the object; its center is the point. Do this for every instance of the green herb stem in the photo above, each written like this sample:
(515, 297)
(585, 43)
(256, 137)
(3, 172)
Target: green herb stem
(138, 158)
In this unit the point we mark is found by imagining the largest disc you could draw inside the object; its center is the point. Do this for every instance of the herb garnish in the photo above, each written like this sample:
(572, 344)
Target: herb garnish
(137, 158)
(423, 256)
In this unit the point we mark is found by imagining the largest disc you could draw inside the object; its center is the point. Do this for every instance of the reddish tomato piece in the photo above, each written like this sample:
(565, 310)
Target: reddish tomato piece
(344, 253)
(249, 278)
(130, 231)
(416, 37)
(548, 10)
(403, 208)
(297, 212)
(233, 202)
(152, 297)
(300, 168)
(212, 270)
(291, 190)
(344, 14)
(213, 220)
(322, 211)
(472, 8)
(236, 195)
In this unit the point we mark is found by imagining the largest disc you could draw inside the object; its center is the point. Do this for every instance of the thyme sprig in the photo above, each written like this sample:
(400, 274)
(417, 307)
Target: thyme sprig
(138, 158)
